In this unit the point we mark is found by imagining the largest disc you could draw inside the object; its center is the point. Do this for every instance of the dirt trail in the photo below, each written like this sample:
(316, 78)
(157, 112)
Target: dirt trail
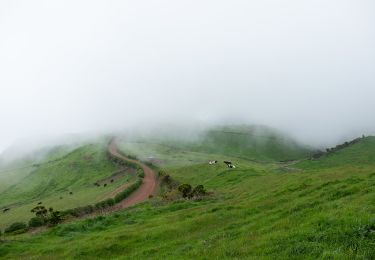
(148, 186)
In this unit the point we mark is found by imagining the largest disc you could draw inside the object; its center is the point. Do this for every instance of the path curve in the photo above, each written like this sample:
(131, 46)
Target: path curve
(148, 185)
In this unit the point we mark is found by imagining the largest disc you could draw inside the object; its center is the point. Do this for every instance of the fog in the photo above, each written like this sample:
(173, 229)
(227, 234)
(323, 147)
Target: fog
(71, 67)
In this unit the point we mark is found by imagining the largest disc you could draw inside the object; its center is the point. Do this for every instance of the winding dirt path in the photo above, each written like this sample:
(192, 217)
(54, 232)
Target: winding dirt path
(148, 186)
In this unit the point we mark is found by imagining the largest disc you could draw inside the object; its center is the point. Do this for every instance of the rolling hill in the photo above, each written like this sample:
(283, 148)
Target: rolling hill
(253, 142)
(261, 209)
(52, 181)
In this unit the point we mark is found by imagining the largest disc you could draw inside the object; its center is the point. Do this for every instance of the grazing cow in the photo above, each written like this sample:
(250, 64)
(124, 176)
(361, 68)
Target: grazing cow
(229, 164)
(6, 209)
(212, 162)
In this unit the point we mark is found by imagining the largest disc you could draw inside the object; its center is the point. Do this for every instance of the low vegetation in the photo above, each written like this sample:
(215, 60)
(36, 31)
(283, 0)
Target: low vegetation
(311, 209)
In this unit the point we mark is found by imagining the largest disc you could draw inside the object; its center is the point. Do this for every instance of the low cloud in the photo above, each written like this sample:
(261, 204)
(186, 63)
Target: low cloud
(93, 66)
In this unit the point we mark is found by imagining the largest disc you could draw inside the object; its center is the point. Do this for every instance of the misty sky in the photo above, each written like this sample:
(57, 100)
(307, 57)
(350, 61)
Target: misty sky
(307, 67)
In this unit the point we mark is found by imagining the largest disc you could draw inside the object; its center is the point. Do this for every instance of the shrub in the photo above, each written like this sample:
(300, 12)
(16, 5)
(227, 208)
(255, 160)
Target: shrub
(100, 205)
(36, 222)
(125, 193)
(167, 181)
(185, 189)
(172, 195)
(41, 212)
(141, 173)
(110, 202)
(161, 173)
(199, 191)
(17, 227)
(80, 211)
(55, 218)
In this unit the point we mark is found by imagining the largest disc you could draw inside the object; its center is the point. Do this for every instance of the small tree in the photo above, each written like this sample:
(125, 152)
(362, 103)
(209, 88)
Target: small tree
(199, 191)
(185, 189)
(41, 212)
(55, 217)
(36, 222)
(45, 216)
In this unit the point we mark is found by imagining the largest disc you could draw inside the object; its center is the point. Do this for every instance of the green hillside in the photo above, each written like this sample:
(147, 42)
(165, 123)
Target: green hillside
(361, 153)
(250, 142)
(52, 181)
(321, 209)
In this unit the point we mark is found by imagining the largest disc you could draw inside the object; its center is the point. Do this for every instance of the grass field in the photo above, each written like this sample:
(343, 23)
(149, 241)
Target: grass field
(309, 209)
(52, 181)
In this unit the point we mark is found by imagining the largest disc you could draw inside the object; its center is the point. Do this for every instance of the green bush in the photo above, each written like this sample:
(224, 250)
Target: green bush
(198, 191)
(125, 193)
(80, 211)
(141, 173)
(110, 202)
(100, 205)
(36, 222)
(185, 189)
(55, 218)
(16, 227)
(105, 203)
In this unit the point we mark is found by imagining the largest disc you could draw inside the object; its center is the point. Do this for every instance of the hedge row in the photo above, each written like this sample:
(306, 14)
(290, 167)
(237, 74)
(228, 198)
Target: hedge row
(125, 193)
(121, 161)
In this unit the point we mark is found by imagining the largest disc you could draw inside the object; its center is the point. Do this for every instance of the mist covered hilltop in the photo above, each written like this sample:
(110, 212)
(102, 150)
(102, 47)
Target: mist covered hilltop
(187, 130)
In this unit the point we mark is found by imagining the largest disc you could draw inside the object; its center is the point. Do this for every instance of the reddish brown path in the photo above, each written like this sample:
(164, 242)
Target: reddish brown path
(148, 186)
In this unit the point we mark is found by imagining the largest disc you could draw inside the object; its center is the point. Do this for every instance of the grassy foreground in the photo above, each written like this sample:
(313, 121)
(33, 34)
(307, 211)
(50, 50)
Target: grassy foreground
(313, 209)
(321, 208)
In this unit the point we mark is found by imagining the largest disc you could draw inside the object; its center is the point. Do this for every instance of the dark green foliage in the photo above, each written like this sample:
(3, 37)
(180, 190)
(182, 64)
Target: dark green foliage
(55, 218)
(185, 189)
(125, 193)
(199, 191)
(80, 211)
(105, 203)
(45, 216)
(141, 173)
(36, 222)
(110, 202)
(41, 212)
(167, 181)
(188, 192)
(120, 161)
(17, 227)
(328, 151)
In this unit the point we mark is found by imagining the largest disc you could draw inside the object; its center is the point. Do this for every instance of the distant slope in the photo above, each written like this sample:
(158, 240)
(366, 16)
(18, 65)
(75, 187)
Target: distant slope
(360, 153)
(250, 142)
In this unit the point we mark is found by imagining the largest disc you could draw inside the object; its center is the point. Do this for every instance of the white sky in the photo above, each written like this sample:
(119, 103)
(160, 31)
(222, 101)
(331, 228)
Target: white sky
(307, 67)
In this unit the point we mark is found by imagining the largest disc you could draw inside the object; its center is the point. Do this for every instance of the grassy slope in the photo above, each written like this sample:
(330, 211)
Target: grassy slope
(74, 172)
(249, 142)
(323, 210)
(252, 142)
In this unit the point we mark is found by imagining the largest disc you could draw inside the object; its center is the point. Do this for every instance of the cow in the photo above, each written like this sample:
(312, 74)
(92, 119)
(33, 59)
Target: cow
(229, 164)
